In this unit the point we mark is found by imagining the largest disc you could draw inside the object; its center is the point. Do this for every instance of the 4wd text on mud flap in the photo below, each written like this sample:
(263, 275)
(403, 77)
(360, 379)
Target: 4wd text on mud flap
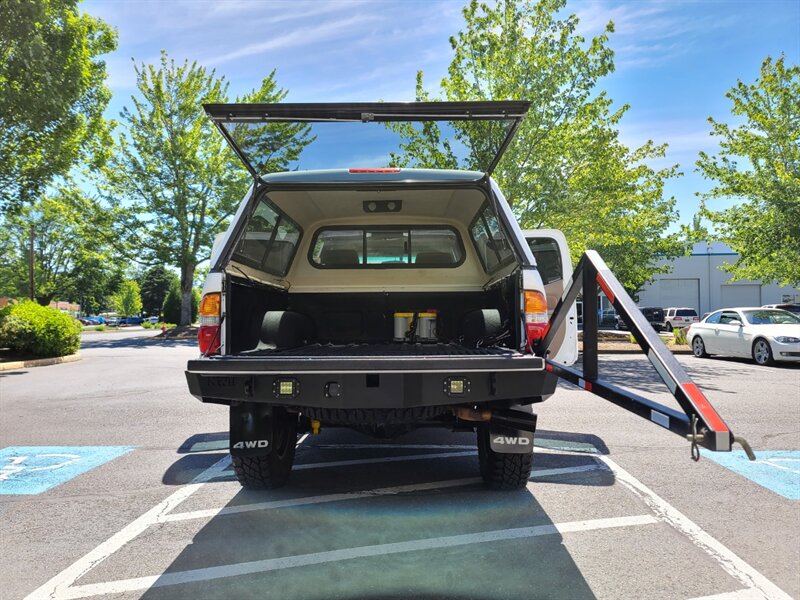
(251, 444)
(514, 441)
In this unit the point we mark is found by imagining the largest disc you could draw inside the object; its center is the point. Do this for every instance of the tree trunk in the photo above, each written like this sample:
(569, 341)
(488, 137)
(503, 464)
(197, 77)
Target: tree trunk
(187, 279)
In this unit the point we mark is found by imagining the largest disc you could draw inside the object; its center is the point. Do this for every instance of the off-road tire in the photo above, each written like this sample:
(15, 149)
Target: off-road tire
(699, 347)
(502, 471)
(668, 327)
(264, 472)
(762, 353)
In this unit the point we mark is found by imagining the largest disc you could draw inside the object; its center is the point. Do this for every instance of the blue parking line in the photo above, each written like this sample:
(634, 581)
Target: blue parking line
(35, 469)
(776, 470)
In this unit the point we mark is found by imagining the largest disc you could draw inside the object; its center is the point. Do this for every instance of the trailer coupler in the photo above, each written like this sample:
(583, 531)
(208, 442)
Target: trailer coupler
(698, 422)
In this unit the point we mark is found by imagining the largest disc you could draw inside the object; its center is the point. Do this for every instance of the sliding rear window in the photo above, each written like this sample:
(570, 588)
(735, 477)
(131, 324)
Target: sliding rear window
(389, 247)
(269, 241)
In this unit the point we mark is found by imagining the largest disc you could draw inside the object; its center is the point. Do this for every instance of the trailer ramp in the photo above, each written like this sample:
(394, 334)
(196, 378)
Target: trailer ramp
(699, 422)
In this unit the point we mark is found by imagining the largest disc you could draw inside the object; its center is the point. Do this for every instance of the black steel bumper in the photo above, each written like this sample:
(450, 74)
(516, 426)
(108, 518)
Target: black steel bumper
(369, 382)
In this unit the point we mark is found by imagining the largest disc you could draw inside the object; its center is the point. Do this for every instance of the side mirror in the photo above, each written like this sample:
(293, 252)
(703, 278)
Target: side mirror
(736, 323)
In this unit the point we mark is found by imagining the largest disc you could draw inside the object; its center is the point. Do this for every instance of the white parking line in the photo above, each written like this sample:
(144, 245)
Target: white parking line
(728, 560)
(60, 584)
(325, 498)
(61, 587)
(317, 558)
(232, 510)
(745, 594)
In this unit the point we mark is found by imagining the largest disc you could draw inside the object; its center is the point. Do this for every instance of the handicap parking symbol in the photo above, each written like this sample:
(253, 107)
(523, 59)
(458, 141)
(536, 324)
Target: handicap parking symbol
(776, 470)
(35, 469)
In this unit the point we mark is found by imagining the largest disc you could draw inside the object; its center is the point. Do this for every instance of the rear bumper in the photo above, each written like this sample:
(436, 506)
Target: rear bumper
(370, 382)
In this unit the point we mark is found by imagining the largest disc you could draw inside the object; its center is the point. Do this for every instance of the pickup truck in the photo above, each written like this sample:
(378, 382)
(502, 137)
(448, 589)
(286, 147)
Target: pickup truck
(378, 298)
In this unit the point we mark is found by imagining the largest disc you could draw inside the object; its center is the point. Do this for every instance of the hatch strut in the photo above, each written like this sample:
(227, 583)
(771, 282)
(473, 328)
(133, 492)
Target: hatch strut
(699, 422)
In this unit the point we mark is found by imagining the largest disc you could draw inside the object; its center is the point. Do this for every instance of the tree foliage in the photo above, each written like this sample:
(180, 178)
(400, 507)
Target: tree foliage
(567, 167)
(758, 165)
(52, 94)
(71, 260)
(155, 283)
(171, 309)
(128, 299)
(171, 181)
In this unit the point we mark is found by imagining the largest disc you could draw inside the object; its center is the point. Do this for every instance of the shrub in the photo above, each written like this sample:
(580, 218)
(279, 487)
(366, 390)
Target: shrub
(680, 336)
(171, 311)
(31, 328)
(100, 328)
(147, 324)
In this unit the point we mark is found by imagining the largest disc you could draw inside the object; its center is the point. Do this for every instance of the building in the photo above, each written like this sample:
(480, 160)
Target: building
(698, 281)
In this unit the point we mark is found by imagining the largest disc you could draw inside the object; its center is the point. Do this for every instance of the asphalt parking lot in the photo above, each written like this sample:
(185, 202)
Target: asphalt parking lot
(615, 507)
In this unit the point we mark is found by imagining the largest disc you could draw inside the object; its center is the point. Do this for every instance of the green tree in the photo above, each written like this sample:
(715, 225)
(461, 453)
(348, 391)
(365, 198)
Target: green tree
(155, 283)
(52, 94)
(758, 164)
(171, 310)
(128, 300)
(566, 168)
(171, 180)
(71, 261)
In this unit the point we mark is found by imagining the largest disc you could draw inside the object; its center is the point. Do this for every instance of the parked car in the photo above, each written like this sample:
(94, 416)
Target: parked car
(152, 320)
(763, 334)
(792, 308)
(654, 315)
(113, 321)
(131, 321)
(381, 299)
(677, 317)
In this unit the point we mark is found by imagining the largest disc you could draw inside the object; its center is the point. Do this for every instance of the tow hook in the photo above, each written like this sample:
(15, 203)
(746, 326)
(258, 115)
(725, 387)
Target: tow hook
(697, 438)
(315, 426)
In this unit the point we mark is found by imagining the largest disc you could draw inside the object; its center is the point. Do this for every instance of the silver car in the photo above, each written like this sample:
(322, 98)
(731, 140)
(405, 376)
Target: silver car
(763, 334)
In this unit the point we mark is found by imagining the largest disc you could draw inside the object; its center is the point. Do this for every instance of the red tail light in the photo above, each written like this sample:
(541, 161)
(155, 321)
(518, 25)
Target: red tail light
(536, 320)
(208, 336)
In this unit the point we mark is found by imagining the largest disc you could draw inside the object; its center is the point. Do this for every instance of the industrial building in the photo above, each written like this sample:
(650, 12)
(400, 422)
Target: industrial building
(698, 281)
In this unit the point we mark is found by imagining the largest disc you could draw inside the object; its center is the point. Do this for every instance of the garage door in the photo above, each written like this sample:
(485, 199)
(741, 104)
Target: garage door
(740, 295)
(680, 292)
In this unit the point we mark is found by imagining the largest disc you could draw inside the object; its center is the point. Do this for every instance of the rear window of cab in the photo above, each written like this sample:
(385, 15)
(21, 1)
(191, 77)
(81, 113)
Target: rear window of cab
(386, 247)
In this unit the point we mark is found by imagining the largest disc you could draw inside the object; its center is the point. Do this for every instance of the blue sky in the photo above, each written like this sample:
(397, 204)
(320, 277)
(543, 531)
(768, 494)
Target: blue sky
(675, 59)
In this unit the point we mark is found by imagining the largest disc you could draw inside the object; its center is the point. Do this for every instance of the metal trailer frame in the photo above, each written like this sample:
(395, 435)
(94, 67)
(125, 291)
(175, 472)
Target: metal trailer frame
(699, 422)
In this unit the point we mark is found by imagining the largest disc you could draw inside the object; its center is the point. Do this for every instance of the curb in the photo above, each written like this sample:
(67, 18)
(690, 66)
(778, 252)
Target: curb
(39, 362)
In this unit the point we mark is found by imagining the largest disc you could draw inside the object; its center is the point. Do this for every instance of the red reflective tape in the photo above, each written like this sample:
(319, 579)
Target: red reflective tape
(548, 367)
(587, 385)
(704, 407)
(605, 289)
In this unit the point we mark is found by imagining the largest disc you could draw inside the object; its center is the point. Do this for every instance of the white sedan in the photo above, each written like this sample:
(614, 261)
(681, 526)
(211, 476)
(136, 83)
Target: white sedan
(763, 334)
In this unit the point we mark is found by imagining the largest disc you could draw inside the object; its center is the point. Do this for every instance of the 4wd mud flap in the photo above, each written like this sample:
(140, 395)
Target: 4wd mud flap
(251, 429)
(505, 437)
(510, 441)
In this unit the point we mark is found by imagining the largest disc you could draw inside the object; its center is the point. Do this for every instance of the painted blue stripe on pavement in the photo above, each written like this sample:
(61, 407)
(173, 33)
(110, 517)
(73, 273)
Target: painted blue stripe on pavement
(35, 469)
(776, 470)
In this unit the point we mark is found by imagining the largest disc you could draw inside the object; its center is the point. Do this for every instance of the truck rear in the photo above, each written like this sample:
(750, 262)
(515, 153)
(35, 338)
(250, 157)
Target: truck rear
(382, 299)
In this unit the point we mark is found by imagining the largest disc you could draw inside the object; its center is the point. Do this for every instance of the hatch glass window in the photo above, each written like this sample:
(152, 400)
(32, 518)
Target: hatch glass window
(269, 241)
(490, 242)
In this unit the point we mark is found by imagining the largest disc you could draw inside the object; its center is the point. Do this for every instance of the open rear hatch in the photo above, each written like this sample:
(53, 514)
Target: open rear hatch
(344, 135)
